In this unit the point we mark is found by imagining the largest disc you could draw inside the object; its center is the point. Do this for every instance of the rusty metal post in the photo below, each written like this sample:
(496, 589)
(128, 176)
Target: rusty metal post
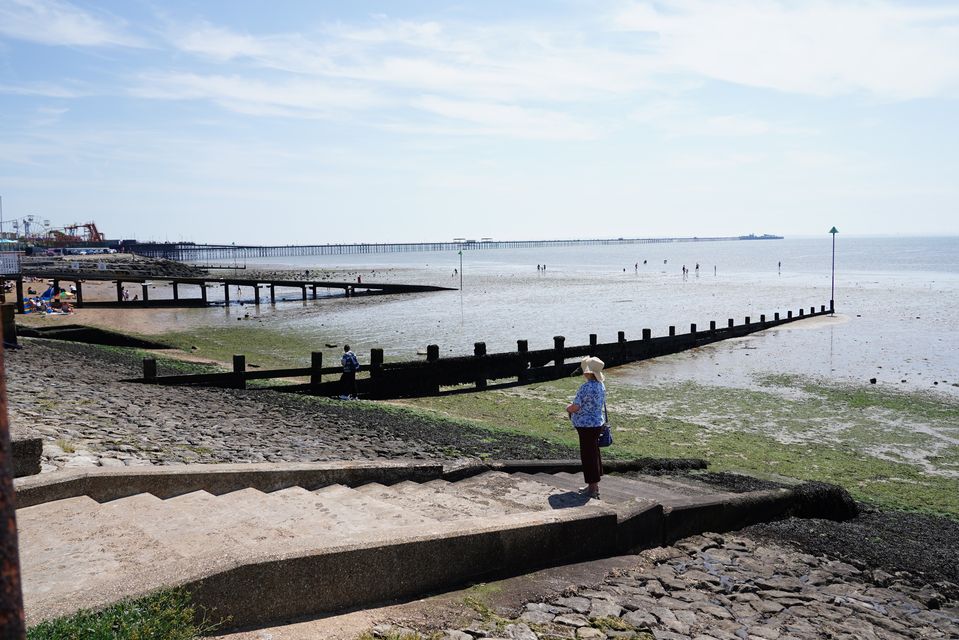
(316, 364)
(12, 620)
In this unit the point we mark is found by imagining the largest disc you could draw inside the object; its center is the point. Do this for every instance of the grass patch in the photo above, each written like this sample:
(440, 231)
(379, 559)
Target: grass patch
(269, 349)
(824, 435)
(166, 615)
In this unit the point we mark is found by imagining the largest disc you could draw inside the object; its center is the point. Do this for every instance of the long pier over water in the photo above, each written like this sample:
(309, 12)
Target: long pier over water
(189, 251)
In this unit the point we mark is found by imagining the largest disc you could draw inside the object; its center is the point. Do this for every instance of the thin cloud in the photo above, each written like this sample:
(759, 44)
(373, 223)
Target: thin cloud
(51, 22)
(818, 48)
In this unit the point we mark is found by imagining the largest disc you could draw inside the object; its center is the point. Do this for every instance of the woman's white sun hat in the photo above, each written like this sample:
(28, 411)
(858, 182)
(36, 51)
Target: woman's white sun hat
(593, 365)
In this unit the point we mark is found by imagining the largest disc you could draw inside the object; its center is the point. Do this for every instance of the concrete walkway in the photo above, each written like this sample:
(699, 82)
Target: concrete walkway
(262, 544)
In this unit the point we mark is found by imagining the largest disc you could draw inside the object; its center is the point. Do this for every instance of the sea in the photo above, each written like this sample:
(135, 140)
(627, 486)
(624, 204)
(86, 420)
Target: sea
(896, 301)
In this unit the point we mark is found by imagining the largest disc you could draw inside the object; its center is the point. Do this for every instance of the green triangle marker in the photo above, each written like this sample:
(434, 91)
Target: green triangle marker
(834, 230)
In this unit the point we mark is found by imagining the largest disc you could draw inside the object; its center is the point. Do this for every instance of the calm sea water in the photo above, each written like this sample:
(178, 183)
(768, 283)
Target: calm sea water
(896, 300)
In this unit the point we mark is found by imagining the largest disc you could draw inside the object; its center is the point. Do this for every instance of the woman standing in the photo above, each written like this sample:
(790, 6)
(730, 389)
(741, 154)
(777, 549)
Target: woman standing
(586, 412)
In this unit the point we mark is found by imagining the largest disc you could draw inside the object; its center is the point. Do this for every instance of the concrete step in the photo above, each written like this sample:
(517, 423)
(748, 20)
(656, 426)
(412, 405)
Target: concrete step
(574, 483)
(665, 491)
(73, 545)
(385, 513)
(409, 501)
(515, 494)
(432, 494)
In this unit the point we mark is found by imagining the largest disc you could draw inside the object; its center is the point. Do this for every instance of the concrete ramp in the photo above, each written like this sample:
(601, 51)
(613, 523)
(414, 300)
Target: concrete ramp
(261, 543)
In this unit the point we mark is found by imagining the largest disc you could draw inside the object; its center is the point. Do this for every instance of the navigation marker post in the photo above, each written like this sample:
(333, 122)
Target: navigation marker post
(832, 294)
(461, 270)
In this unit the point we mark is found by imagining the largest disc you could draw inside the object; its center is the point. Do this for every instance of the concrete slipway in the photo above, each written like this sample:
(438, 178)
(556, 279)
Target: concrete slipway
(267, 542)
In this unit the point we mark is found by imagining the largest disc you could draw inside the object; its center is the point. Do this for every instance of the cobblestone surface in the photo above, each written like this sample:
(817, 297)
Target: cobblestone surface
(72, 395)
(732, 587)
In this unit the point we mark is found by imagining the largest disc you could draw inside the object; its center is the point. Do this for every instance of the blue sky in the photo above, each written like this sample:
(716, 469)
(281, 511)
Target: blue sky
(305, 122)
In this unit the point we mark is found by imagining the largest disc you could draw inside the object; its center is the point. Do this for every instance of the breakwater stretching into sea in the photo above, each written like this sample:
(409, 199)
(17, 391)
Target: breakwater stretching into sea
(186, 251)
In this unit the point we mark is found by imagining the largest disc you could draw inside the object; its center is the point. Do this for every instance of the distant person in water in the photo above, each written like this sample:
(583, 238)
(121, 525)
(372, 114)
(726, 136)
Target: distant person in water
(348, 379)
(586, 414)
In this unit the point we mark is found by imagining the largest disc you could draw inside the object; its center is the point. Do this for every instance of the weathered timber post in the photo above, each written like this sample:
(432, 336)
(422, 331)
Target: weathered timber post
(647, 334)
(203, 292)
(8, 311)
(762, 320)
(79, 293)
(479, 352)
(149, 369)
(432, 352)
(522, 348)
(559, 352)
(256, 292)
(730, 323)
(432, 376)
(272, 293)
(692, 331)
(119, 291)
(801, 313)
(303, 290)
(812, 311)
(672, 330)
(822, 309)
(316, 365)
(176, 290)
(621, 336)
(314, 292)
(226, 292)
(776, 316)
(712, 327)
(56, 287)
(747, 321)
(12, 622)
(239, 368)
(20, 308)
(145, 288)
(789, 314)
(593, 340)
(376, 368)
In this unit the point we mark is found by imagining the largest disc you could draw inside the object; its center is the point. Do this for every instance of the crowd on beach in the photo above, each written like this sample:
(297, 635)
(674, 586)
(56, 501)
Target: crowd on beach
(53, 301)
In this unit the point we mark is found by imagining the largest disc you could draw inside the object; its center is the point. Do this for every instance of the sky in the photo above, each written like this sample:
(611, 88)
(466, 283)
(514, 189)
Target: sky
(302, 122)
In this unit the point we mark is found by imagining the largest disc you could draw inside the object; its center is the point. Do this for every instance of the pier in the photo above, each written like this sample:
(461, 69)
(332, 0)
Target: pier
(429, 377)
(192, 252)
(307, 288)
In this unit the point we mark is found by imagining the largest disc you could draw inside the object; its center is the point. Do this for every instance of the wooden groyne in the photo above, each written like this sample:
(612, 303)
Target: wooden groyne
(429, 377)
(192, 252)
(202, 283)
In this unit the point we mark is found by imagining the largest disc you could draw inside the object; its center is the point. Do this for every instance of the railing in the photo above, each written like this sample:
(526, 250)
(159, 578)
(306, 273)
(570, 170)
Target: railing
(464, 373)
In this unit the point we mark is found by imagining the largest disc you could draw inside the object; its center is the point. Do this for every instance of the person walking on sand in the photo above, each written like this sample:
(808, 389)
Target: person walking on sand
(586, 413)
(348, 380)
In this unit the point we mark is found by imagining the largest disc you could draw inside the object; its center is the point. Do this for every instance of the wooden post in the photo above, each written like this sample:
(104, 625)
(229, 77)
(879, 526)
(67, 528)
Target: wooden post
(747, 321)
(812, 311)
(801, 313)
(256, 292)
(522, 348)
(479, 351)
(789, 315)
(559, 351)
(56, 288)
(119, 291)
(314, 292)
(203, 292)
(376, 362)
(239, 368)
(776, 316)
(272, 293)
(712, 327)
(672, 331)
(12, 624)
(621, 336)
(316, 363)
(731, 323)
(692, 330)
(145, 288)
(20, 308)
(647, 334)
(226, 292)
(176, 290)
(432, 352)
(79, 284)
(762, 319)
(149, 368)
(303, 287)
(593, 340)
(822, 309)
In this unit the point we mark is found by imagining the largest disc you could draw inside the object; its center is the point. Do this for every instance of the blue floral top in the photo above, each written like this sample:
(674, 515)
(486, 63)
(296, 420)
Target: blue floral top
(590, 398)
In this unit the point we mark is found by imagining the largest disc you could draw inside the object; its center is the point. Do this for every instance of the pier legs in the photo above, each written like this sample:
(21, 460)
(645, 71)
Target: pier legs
(272, 294)
(119, 291)
(146, 291)
(256, 290)
(176, 290)
(203, 292)
(79, 293)
(314, 292)
(226, 292)
(304, 292)
(20, 308)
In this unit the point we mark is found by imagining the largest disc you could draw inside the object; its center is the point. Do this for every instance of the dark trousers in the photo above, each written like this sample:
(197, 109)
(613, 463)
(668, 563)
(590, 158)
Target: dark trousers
(348, 383)
(589, 454)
